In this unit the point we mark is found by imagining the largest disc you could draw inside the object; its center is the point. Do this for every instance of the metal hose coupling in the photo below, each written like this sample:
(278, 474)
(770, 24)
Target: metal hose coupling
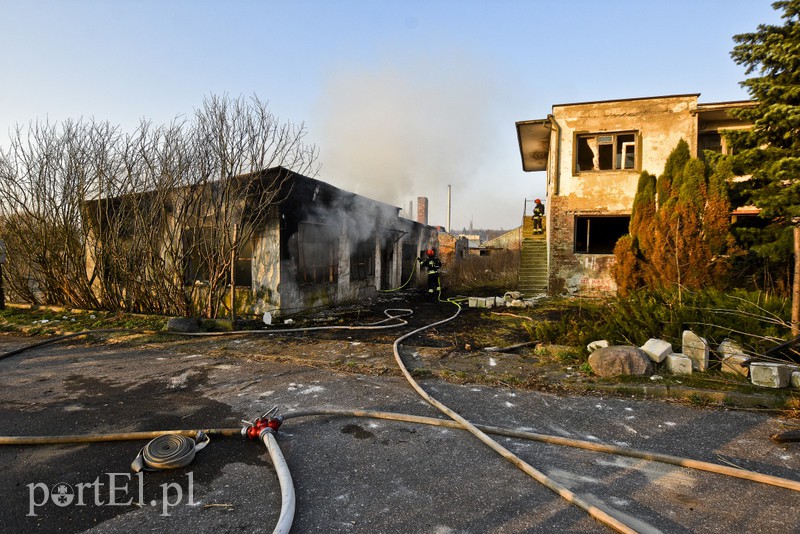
(269, 421)
(169, 451)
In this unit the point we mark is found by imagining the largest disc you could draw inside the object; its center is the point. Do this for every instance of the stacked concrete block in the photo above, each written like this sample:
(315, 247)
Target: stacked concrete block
(734, 359)
(679, 364)
(657, 349)
(696, 348)
(770, 375)
(508, 300)
(736, 364)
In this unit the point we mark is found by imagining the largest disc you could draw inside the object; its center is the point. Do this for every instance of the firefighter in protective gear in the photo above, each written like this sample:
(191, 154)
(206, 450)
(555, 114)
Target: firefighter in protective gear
(538, 215)
(433, 265)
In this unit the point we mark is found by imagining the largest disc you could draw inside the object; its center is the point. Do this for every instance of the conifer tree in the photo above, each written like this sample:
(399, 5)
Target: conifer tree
(772, 147)
(770, 151)
(679, 232)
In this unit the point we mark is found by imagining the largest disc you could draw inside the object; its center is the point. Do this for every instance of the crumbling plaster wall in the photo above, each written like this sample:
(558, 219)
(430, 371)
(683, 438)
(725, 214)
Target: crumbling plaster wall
(266, 266)
(660, 123)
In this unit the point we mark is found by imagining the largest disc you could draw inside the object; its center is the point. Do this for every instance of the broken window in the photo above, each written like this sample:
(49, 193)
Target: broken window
(362, 260)
(599, 234)
(317, 261)
(243, 269)
(605, 152)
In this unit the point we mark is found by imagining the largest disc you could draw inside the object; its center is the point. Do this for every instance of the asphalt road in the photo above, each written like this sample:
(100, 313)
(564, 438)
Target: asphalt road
(359, 475)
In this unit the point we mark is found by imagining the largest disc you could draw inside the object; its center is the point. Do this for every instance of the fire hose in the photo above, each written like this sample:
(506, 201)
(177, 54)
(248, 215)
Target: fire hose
(169, 451)
(264, 428)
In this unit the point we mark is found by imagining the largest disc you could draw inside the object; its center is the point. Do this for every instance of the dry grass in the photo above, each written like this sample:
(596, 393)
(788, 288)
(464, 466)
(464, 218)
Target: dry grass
(497, 271)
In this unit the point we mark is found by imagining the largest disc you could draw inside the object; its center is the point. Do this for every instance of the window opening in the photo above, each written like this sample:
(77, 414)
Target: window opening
(317, 253)
(606, 152)
(599, 234)
(243, 270)
(362, 260)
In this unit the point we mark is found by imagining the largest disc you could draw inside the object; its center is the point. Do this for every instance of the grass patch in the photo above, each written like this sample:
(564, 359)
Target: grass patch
(53, 321)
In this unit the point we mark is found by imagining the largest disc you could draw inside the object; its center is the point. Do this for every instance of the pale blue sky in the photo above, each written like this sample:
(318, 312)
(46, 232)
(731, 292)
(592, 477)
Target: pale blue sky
(401, 97)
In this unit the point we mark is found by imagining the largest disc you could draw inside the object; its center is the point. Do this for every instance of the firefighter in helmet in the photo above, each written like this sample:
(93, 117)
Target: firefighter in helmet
(538, 215)
(433, 265)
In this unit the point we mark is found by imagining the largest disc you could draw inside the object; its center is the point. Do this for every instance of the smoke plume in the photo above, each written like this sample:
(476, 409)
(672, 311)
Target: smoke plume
(406, 129)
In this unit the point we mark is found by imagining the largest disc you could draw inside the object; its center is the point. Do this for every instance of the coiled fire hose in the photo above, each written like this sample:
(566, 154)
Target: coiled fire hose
(169, 451)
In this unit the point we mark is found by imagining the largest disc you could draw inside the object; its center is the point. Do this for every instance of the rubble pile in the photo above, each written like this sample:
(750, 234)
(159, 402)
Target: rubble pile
(511, 299)
(608, 360)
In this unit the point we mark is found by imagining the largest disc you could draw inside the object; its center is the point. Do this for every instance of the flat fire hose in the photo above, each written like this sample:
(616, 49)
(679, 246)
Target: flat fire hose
(169, 451)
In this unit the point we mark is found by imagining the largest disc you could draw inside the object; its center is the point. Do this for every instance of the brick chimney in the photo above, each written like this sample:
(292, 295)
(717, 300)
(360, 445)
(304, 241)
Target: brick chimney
(422, 210)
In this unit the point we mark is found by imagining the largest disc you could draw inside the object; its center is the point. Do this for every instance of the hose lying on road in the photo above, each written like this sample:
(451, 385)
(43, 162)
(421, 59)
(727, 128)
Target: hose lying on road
(397, 316)
(457, 422)
(569, 496)
(719, 469)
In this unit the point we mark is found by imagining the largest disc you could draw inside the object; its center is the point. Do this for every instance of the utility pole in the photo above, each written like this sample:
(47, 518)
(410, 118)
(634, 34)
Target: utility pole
(449, 207)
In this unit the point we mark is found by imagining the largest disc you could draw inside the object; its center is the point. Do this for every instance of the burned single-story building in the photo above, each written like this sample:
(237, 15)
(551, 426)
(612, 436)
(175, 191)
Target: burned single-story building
(313, 245)
(593, 154)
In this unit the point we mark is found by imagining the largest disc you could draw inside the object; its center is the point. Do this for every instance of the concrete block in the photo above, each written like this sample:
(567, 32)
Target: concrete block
(472, 302)
(594, 345)
(729, 347)
(770, 375)
(657, 349)
(732, 364)
(794, 381)
(696, 348)
(679, 364)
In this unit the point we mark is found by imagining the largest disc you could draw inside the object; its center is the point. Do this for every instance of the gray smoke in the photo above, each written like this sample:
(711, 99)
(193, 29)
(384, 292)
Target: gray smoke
(406, 129)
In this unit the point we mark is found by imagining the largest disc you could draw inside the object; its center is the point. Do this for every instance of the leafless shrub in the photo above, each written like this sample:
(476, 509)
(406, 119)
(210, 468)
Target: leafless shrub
(148, 221)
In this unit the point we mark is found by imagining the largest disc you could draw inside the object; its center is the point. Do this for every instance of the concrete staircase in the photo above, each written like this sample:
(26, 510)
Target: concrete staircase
(532, 261)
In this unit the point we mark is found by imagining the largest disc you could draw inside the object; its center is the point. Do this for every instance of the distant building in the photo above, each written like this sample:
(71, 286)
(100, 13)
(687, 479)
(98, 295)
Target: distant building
(593, 153)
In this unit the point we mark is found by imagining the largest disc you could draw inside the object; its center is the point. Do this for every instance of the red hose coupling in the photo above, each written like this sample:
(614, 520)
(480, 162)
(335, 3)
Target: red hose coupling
(257, 427)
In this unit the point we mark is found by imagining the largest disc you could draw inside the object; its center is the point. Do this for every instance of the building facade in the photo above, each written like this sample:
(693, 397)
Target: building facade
(593, 154)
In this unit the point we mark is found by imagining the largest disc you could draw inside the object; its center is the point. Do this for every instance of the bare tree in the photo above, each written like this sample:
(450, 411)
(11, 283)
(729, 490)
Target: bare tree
(151, 221)
(43, 185)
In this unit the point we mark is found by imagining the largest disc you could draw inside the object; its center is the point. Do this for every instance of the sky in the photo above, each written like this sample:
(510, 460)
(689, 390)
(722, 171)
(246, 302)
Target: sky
(401, 98)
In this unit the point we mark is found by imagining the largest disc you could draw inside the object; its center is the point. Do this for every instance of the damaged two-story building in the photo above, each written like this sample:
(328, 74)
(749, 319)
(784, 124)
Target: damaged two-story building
(593, 154)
